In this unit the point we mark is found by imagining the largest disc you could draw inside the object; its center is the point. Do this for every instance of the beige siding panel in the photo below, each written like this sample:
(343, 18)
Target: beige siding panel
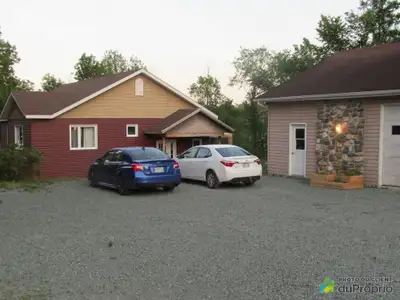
(198, 124)
(280, 116)
(371, 141)
(121, 102)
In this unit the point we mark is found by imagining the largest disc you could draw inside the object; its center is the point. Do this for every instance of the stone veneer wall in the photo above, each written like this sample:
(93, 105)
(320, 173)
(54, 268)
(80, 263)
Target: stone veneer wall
(340, 153)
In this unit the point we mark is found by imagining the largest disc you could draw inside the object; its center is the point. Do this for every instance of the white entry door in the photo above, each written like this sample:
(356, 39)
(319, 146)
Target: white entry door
(391, 146)
(170, 146)
(298, 142)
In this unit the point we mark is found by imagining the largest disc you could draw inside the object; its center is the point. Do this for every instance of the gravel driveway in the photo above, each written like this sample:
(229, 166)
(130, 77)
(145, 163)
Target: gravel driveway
(275, 240)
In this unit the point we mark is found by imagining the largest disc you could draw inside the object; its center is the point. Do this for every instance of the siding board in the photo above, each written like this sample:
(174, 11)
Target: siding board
(52, 138)
(280, 115)
(121, 102)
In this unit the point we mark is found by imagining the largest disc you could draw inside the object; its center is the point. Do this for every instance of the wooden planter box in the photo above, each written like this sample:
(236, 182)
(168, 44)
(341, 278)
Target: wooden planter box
(347, 182)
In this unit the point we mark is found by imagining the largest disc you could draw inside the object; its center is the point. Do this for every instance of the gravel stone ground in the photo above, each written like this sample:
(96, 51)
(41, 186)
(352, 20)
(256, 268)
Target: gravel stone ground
(275, 240)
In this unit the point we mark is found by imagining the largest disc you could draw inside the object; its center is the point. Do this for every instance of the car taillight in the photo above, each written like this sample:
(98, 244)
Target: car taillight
(228, 163)
(176, 165)
(258, 161)
(137, 167)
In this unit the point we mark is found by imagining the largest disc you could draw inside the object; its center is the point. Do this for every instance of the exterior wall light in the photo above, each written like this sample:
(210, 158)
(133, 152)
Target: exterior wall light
(341, 128)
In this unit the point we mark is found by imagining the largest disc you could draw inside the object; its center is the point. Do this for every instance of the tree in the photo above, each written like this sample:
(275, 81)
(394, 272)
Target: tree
(113, 62)
(8, 80)
(207, 91)
(50, 82)
(258, 71)
(334, 34)
(374, 22)
(88, 67)
(24, 85)
(254, 68)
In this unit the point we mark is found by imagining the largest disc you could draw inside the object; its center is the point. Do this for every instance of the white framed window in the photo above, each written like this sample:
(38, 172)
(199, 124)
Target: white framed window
(139, 88)
(83, 137)
(197, 142)
(19, 136)
(132, 130)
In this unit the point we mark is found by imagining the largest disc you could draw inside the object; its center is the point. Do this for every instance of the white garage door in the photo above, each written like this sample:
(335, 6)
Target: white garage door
(391, 146)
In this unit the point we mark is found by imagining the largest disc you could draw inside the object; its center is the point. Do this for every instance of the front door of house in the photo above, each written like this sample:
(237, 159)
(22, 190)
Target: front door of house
(297, 154)
(170, 147)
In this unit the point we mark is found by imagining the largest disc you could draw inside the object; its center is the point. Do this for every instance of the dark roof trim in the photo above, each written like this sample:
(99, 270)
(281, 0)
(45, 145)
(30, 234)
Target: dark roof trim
(338, 96)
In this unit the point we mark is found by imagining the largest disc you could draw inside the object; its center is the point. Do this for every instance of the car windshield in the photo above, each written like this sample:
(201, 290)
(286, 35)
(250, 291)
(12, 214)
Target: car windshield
(148, 154)
(232, 151)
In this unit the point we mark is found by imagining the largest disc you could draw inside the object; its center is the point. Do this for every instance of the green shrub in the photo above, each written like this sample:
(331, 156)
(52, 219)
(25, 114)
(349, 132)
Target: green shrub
(18, 164)
(353, 173)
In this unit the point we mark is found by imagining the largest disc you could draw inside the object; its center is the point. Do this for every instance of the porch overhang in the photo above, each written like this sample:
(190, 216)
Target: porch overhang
(190, 123)
(198, 135)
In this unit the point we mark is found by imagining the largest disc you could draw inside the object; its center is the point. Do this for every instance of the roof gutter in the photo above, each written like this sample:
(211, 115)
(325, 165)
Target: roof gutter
(383, 93)
(39, 117)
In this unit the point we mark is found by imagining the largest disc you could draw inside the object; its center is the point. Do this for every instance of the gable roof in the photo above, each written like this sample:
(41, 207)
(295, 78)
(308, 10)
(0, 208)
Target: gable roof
(179, 117)
(355, 73)
(49, 105)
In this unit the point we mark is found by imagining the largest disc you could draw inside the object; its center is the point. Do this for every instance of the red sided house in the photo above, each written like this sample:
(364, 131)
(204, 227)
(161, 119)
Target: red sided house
(78, 122)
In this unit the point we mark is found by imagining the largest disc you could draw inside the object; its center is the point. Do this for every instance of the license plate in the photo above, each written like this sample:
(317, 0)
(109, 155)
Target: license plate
(246, 165)
(159, 170)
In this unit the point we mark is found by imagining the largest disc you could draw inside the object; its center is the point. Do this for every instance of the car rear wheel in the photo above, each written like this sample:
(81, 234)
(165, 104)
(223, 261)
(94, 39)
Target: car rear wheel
(122, 189)
(92, 179)
(212, 180)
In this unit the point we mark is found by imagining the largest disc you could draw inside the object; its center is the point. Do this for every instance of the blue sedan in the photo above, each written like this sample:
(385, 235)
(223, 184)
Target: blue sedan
(127, 169)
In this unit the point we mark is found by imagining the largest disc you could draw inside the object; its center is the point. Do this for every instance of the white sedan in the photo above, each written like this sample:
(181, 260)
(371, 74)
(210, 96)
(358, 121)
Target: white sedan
(216, 164)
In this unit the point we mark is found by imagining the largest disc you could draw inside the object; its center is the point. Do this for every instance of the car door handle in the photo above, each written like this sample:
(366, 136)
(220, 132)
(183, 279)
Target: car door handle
(292, 153)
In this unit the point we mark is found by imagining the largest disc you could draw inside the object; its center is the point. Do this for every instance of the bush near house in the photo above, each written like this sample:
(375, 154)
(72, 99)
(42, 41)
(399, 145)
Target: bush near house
(18, 163)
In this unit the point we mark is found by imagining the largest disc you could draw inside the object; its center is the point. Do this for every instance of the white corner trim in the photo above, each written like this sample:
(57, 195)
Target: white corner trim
(381, 132)
(335, 96)
(109, 87)
(180, 121)
(136, 130)
(96, 137)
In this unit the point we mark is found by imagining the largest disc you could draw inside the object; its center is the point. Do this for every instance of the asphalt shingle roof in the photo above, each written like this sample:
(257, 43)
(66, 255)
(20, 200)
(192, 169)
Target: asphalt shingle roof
(357, 70)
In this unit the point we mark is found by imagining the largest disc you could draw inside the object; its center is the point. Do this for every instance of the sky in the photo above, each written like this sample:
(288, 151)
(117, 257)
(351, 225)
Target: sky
(178, 40)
